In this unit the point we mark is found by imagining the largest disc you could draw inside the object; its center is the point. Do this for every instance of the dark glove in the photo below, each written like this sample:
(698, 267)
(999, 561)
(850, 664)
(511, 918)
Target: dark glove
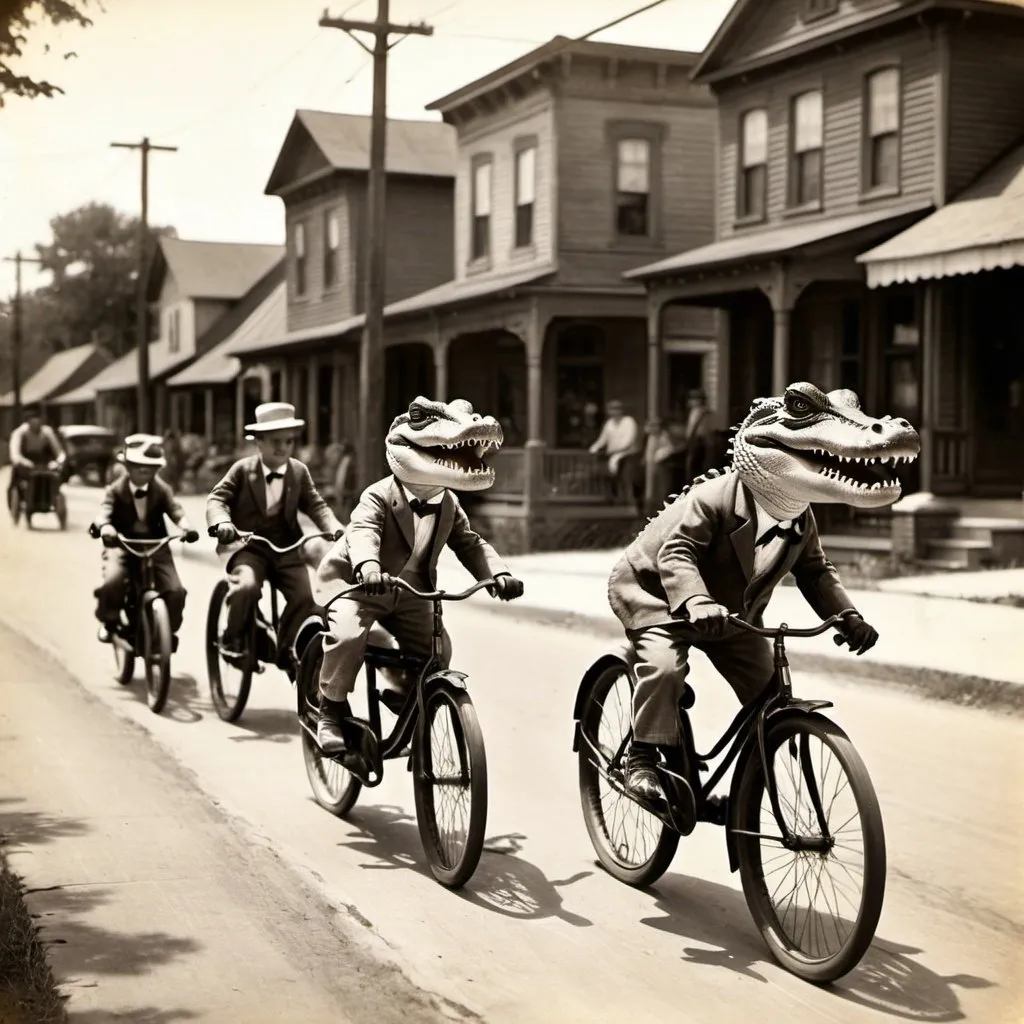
(373, 580)
(226, 533)
(858, 635)
(506, 587)
(709, 617)
(94, 531)
(338, 534)
(109, 537)
(191, 536)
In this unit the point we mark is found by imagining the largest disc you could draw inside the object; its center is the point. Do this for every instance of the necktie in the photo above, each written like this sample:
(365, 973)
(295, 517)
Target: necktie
(424, 508)
(274, 475)
(791, 530)
(140, 492)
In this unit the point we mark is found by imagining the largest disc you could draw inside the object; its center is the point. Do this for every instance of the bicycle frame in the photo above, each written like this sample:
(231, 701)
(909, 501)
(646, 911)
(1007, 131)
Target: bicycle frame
(36, 480)
(145, 587)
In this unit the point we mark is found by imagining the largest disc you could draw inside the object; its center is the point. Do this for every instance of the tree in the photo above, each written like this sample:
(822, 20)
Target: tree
(91, 298)
(16, 18)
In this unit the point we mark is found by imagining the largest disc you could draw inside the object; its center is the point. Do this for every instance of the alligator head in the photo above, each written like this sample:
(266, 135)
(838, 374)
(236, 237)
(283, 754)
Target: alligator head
(809, 446)
(443, 444)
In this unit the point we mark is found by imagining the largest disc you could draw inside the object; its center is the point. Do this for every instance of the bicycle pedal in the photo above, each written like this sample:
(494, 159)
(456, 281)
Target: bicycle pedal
(259, 667)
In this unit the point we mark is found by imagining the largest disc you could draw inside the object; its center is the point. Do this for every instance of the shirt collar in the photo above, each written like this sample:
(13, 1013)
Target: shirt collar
(265, 469)
(410, 497)
(764, 521)
(140, 487)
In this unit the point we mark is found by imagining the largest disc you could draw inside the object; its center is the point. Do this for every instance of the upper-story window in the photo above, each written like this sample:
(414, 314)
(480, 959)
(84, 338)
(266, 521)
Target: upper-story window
(526, 191)
(882, 130)
(753, 163)
(818, 8)
(174, 330)
(332, 243)
(806, 134)
(633, 187)
(480, 245)
(299, 248)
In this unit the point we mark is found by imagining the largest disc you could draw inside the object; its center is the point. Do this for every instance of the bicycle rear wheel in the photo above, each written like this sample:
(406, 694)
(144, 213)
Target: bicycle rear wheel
(157, 654)
(229, 680)
(449, 768)
(811, 758)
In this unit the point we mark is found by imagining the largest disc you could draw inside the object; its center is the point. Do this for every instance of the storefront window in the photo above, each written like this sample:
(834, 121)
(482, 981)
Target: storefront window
(579, 382)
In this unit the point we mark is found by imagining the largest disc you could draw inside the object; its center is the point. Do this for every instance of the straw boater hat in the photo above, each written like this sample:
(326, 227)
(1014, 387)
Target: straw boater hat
(149, 454)
(271, 416)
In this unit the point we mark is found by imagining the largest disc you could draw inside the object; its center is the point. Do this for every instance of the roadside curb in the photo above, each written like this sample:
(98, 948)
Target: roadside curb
(935, 684)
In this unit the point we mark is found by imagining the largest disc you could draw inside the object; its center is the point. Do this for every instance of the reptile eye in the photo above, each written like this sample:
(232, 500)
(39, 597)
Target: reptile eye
(797, 405)
(416, 414)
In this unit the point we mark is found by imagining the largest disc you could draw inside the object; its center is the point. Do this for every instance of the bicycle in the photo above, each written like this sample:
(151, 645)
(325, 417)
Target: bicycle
(147, 635)
(41, 492)
(774, 723)
(337, 782)
(260, 648)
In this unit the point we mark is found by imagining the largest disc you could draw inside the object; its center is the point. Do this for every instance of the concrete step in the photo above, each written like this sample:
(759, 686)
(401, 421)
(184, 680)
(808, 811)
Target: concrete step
(984, 528)
(940, 565)
(963, 552)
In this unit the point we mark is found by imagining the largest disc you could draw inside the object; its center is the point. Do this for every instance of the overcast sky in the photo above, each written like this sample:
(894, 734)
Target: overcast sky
(221, 80)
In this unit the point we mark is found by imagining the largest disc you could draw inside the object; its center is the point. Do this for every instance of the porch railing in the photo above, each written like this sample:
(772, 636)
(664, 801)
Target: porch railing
(567, 474)
(950, 455)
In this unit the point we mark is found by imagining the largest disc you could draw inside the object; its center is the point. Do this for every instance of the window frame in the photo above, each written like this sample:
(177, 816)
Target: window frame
(794, 179)
(524, 144)
(474, 258)
(332, 263)
(869, 189)
(743, 215)
(654, 133)
(300, 257)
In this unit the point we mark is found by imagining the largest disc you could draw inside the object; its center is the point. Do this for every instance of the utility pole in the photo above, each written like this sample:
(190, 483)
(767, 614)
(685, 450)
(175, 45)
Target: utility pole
(370, 449)
(141, 338)
(17, 259)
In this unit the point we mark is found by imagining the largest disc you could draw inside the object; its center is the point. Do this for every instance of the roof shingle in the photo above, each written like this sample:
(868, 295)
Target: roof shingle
(217, 270)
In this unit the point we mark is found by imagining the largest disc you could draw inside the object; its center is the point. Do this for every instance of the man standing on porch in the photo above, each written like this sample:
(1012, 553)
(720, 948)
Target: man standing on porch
(618, 441)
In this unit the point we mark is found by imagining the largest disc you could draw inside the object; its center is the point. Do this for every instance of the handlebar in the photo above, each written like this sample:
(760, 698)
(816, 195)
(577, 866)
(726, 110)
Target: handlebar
(774, 632)
(247, 538)
(151, 546)
(426, 595)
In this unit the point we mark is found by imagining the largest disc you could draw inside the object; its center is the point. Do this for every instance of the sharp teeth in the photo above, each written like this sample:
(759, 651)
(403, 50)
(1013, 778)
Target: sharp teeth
(884, 459)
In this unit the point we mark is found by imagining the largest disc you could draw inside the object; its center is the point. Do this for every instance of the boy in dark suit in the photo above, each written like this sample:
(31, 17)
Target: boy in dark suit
(135, 505)
(264, 494)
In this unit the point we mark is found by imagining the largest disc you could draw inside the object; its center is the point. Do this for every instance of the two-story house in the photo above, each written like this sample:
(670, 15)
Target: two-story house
(843, 123)
(192, 286)
(576, 162)
(321, 176)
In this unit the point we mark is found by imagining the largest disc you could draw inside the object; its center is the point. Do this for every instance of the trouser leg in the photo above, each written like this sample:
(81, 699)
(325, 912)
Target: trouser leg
(661, 669)
(110, 593)
(170, 588)
(247, 572)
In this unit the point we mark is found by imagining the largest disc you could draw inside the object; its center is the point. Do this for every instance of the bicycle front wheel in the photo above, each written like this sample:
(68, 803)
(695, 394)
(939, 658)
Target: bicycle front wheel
(816, 909)
(157, 655)
(450, 784)
(229, 679)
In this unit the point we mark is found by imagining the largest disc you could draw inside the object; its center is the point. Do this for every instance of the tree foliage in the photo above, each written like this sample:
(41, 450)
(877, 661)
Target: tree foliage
(16, 18)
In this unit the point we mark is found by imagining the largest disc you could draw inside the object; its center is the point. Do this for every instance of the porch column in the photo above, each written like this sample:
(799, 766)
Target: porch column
(780, 349)
(209, 426)
(239, 407)
(931, 328)
(440, 350)
(655, 308)
(337, 398)
(533, 453)
(312, 402)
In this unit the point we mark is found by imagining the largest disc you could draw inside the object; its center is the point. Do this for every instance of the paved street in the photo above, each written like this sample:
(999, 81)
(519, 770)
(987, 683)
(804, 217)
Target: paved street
(540, 934)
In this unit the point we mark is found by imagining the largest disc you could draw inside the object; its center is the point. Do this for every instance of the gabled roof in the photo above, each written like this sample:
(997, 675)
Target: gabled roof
(211, 270)
(420, 148)
(558, 46)
(56, 374)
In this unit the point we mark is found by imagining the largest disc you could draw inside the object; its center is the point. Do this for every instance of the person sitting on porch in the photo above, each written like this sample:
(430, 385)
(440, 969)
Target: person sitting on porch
(618, 442)
(698, 439)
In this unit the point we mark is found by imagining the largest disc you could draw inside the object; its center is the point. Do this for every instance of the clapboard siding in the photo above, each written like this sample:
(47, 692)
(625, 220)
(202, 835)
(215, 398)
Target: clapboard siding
(495, 137)
(842, 80)
(986, 98)
(588, 250)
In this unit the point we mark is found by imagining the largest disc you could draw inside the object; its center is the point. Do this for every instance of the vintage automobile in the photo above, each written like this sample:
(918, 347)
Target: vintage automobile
(90, 451)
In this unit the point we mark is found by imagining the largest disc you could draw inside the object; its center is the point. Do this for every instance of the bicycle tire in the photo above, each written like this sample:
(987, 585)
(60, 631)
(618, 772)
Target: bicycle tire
(157, 654)
(60, 506)
(451, 872)
(653, 867)
(816, 970)
(14, 504)
(228, 710)
(124, 660)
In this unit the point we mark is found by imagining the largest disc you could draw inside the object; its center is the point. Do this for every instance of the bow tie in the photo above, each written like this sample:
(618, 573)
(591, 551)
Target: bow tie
(140, 492)
(424, 508)
(274, 475)
(791, 530)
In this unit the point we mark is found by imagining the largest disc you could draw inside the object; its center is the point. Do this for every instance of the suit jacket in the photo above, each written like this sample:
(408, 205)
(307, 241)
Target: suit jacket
(240, 498)
(118, 508)
(382, 529)
(702, 545)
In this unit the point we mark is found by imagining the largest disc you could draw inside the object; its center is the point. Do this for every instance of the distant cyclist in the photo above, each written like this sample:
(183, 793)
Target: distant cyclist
(33, 445)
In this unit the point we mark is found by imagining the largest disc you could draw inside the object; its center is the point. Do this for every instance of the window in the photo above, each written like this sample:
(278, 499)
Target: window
(332, 242)
(633, 187)
(806, 133)
(299, 243)
(753, 163)
(174, 330)
(480, 246)
(526, 183)
(882, 143)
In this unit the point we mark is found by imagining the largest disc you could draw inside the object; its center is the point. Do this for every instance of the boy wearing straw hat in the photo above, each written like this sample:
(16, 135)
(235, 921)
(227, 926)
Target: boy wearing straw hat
(134, 505)
(263, 494)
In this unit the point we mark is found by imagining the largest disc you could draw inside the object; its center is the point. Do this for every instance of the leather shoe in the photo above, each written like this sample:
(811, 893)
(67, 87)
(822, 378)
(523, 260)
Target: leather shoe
(330, 737)
(641, 779)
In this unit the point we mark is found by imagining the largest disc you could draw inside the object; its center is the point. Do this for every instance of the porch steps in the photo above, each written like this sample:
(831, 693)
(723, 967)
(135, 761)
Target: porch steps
(980, 541)
(855, 548)
(961, 552)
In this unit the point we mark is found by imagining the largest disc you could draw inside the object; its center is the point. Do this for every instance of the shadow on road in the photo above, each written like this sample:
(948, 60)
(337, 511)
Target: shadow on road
(138, 1015)
(504, 882)
(276, 725)
(181, 698)
(886, 980)
(23, 829)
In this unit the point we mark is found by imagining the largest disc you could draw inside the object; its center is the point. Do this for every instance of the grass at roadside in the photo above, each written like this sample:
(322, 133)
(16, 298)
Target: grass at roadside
(28, 992)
